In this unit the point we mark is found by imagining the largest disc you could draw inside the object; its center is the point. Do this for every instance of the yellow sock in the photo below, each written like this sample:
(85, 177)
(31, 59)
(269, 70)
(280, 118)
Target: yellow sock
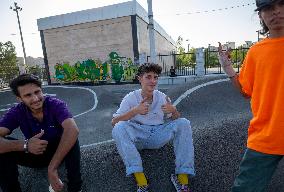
(140, 179)
(183, 179)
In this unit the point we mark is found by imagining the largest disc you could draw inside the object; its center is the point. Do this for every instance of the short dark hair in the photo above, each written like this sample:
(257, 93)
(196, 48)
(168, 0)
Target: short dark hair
(22, 80)
(149, 67)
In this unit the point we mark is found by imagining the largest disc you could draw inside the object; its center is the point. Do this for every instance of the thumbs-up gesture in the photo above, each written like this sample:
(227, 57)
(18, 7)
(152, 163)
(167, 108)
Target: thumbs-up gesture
(168, 107)
(36, 145)
(143, 107)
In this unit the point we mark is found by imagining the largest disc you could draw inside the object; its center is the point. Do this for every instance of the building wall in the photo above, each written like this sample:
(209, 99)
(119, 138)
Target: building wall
(93, 40)
(162, 45)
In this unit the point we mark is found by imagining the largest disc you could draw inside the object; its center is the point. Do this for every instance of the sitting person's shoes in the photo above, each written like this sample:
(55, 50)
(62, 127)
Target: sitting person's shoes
(144, 188)
(178, 186)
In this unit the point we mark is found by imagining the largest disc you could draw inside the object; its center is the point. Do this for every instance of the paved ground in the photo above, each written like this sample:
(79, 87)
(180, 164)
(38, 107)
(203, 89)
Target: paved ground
(219, 118)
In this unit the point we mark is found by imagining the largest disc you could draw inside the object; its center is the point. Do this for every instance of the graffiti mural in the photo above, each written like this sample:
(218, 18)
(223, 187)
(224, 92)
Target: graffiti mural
(116, 69)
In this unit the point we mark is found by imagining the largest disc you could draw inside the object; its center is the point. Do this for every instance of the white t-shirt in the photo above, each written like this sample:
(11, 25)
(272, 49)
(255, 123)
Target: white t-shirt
(155, 116)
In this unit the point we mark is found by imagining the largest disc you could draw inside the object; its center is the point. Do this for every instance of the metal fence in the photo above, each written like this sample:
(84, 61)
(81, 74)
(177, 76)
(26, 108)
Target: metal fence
(212, 65)
(182, 66)
(184, 63)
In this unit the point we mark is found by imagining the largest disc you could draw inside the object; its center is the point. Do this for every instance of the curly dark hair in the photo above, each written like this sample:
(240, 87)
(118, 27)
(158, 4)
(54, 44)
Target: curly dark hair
(149, 67)
(22, 80)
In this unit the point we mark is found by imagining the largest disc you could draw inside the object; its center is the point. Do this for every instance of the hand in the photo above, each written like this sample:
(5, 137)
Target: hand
(143, 107)
(168, 107)
(36, 145)
(54, 180)
(225, 61)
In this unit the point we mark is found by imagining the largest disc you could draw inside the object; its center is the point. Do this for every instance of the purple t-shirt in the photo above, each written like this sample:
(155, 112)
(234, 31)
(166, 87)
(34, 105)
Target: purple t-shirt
(54, 113)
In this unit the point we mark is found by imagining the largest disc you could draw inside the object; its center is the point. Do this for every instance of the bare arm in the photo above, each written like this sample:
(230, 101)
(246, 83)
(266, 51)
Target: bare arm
(141, 109)
(238, 86)
(225, 61)
(36, 146)
(9, 145)
(124, 117)
(68, 139)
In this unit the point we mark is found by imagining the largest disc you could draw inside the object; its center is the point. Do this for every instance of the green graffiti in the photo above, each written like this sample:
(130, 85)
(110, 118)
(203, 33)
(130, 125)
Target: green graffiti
(116, 69)
(130, 70)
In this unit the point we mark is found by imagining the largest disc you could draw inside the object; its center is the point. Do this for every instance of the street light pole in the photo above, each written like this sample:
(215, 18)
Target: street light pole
(151, 32)
(22, 70)
(258, 35)
(187, 45)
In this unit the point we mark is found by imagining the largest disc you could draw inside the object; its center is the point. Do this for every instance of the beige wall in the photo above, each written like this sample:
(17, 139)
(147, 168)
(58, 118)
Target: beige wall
(162, 45)
(88, 41)
(95, 40)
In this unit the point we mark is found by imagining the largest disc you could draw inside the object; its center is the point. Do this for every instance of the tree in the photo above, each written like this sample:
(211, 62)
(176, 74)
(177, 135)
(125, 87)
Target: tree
(184, 59)
(211, 58)
(238, 55)
(8, 61)
(35, 70)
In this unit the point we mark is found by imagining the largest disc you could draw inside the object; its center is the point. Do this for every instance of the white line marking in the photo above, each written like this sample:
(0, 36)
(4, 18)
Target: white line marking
(95, 144)
(6, 109)
(1, 110)
(189, 91)
(55, 86)
(48, 94)
(84, 88)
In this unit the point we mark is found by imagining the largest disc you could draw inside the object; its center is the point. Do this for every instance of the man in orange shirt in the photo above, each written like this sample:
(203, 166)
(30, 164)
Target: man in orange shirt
(262, 79)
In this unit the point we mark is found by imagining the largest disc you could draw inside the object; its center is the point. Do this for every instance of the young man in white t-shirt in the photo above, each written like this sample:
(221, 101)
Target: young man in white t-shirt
(139, 123)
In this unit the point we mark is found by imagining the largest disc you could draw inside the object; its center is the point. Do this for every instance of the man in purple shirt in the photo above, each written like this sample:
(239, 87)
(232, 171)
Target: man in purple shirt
(51, 137)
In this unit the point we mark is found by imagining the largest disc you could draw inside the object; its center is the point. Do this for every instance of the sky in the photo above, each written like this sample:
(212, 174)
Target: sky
(177, 18)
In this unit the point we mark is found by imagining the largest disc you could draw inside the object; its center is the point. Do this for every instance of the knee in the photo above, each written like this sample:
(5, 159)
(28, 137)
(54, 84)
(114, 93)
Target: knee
(184, 123)
(118, 129)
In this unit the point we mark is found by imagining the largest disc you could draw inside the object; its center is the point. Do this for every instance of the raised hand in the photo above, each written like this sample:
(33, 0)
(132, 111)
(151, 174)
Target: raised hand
(36, 145)
(143, 107)
(225, 61)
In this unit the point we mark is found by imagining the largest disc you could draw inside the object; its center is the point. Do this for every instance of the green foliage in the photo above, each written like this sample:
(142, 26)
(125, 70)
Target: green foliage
(184, 59)
(238, 55)
(35, 70)
(8, 61)
(211, 58)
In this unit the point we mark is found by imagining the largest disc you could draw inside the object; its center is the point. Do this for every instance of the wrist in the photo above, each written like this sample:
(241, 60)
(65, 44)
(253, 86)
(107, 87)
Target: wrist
(134, 111)
(26, 146)
(229, 70)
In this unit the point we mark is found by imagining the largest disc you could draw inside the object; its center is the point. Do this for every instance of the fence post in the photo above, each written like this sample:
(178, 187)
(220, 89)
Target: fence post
(200, 63)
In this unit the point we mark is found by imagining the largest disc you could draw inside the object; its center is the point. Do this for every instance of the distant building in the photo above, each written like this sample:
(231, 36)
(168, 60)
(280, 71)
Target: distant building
(231, 45)
(20, 61)
(31, 61)
(212, 48)
(248, 44)
(95, 33)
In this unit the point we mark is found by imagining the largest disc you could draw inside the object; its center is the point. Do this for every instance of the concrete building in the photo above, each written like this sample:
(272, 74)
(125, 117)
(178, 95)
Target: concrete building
(95, 33)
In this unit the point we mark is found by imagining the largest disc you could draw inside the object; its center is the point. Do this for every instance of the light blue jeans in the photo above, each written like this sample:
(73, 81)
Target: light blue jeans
(131, 136)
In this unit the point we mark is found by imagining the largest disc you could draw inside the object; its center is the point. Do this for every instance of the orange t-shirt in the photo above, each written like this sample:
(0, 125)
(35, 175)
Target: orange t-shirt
(262, 77)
